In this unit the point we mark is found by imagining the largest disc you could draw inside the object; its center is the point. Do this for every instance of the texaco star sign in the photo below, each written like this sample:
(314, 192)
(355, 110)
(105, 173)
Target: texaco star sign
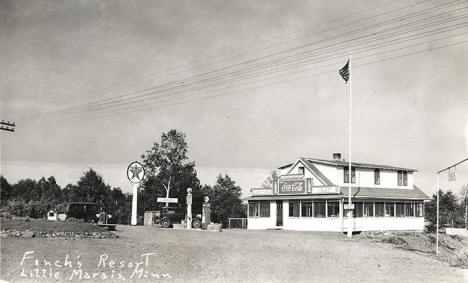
(135, 172)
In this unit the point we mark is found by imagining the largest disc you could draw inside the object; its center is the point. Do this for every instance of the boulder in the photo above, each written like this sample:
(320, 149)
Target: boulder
(28, 234)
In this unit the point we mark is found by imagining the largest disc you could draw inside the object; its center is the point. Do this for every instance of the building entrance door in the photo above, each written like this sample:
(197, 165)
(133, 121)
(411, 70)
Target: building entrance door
(279, 213)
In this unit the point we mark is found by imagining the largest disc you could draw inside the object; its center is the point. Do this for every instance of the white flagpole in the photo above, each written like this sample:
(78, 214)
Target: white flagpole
(350, 213)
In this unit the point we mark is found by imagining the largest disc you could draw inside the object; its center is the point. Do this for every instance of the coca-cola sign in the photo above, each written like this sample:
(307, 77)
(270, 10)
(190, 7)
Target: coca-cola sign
(288, 187)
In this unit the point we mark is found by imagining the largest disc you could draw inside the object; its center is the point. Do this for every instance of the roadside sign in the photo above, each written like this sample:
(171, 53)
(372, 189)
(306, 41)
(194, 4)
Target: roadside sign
(135, 172)
(171, 200)
(349, 206)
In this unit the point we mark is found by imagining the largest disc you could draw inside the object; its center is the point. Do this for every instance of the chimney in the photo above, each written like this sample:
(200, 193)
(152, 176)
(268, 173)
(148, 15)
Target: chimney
(337, 156)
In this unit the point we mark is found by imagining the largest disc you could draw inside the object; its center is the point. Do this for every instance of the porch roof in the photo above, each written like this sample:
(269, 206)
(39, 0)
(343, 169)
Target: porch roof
(385, 193)
(357, 193)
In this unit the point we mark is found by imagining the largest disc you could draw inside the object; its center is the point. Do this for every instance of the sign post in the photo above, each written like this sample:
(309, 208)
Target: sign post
(135, 173)
(168, 200)
(189, 208)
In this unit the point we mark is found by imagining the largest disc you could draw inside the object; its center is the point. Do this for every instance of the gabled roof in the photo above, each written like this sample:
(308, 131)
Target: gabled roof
(317, 172)
(314, 170)
(354, 164)
(385, 193)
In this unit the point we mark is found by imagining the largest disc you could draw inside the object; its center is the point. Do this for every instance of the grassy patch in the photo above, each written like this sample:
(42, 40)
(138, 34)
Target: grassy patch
(451, 248)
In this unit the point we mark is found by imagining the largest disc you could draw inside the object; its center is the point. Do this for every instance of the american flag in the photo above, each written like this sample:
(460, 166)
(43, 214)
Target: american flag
(344, 72)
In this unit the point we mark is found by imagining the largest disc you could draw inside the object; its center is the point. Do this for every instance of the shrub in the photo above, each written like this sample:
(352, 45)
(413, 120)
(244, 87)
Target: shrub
(33, 209)
(38, 209)
(6, 215)
(71, 219)
(17, 207)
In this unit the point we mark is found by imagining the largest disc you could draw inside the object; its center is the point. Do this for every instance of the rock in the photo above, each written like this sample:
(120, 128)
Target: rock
(214, 227)
(27, 234)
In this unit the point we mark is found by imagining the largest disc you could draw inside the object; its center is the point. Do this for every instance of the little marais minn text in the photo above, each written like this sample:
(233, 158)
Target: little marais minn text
(53, 269)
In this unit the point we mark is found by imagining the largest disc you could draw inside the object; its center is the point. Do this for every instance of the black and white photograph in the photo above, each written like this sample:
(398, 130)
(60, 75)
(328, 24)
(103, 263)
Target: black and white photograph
(234, 141)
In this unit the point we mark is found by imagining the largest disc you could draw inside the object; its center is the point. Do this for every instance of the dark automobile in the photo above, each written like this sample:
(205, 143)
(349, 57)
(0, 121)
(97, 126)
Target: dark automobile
(174, 213)
(87, 211)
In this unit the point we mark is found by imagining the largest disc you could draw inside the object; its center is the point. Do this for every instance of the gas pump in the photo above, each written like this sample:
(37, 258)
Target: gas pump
(206, 218)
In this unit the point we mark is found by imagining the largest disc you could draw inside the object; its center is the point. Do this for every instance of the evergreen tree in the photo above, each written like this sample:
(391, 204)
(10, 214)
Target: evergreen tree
(225, 199)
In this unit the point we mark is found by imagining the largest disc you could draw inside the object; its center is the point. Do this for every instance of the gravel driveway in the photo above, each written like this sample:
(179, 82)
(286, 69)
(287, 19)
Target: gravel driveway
(148, 254)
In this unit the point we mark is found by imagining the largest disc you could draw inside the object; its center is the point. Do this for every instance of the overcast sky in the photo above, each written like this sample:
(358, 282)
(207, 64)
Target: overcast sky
(59, 57)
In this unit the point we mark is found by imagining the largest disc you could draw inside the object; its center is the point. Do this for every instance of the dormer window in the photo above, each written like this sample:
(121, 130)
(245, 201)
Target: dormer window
(402, 178)
(377, 176)
(346, 175)
(301, 170)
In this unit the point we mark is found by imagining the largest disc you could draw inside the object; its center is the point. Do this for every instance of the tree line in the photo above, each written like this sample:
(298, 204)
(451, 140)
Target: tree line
(166, 165)
(33, 198)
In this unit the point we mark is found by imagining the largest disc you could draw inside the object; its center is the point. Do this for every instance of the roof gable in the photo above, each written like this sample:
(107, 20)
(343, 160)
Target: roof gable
(312, 169)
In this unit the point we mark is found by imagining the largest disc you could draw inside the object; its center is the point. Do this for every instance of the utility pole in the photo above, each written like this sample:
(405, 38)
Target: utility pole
(7, 126)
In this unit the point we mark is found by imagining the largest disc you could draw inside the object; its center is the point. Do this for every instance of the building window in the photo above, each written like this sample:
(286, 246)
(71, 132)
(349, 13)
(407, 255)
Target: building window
(346, 174)
(301, 170)
(253, 209)
(319, 209)
(368, 209)
(358, 209)
(333, 209)
(402, 178)
(419, 210)
(294, 207)
(379, 209)
(259, 209)
(264, 209)
(377, 176)
(306, 209)
(400, 209)
(409, 209)
(390, 209)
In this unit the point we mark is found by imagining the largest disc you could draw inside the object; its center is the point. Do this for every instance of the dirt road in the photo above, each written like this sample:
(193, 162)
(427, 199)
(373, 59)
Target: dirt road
(147, 253)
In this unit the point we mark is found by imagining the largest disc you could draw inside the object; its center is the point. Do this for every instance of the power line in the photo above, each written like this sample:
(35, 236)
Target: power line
(386, 51)
(347, 24)
(290, 49)
(7, 126)
(225, 77)
(326, 46)
(304, 63)
(266, 85)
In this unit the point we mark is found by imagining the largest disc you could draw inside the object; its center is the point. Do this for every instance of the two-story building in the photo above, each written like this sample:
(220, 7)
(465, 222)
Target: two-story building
(311, 194)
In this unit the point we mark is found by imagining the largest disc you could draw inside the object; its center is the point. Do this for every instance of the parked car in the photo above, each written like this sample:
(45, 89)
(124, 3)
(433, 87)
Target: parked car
(174, 213)
(87, 211)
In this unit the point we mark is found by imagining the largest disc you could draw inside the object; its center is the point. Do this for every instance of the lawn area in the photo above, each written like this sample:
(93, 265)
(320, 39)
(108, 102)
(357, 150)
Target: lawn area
(43, 225)
(148, 253)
